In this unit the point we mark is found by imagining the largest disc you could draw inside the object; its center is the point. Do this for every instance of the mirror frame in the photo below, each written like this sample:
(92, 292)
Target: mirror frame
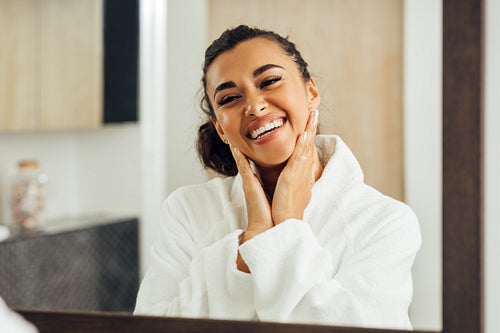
(463, 95)
(463, 89)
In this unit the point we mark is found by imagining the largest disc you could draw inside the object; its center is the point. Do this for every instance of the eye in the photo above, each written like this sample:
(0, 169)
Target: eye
(269, 81)
(227, 99)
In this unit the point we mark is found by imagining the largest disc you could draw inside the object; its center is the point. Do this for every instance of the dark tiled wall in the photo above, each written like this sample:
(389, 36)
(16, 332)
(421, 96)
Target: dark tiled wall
(87, 269)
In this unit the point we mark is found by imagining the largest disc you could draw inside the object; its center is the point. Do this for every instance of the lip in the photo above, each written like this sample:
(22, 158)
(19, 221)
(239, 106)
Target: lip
(261, 122)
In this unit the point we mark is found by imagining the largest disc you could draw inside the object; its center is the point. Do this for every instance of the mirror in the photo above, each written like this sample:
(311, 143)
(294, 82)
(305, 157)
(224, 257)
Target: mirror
(339, 80)
(465, 120)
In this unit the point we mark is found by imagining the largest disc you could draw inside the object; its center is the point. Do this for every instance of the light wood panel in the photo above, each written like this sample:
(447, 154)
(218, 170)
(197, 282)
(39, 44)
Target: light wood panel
(17, 64)
(354, 49)
(71, 64)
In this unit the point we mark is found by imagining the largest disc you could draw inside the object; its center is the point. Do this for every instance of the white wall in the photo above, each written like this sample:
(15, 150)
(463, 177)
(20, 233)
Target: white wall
(90, 171)
(108, 169)
(423, 152)
(153, 76)
(172, 47)
(492, 167)
(56, 154)
(186, 36)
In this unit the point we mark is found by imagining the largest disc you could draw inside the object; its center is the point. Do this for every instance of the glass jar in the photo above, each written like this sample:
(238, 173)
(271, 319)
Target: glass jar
(28, 195)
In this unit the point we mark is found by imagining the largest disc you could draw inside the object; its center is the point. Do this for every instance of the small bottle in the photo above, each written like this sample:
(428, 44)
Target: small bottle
(28, 195)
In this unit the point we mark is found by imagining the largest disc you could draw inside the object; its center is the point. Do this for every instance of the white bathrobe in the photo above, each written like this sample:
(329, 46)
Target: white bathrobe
(348, 262)
(12, 322)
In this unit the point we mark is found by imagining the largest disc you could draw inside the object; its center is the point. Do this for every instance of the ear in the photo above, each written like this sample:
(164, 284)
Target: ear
(219, 129)
(312, 94)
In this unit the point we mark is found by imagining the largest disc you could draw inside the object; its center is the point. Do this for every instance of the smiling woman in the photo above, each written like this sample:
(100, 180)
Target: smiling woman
(293, 234)
(262, 93)
(462, 215)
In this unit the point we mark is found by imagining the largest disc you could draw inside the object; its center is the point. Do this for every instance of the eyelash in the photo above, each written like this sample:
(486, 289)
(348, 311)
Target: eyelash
(269, 81)
(263, 84)
(227, 99)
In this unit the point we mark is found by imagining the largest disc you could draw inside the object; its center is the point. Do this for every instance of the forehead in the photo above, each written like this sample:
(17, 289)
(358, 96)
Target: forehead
(244, 59)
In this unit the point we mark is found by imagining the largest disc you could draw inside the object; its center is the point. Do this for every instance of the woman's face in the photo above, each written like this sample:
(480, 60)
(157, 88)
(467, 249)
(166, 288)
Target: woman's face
(260, 100)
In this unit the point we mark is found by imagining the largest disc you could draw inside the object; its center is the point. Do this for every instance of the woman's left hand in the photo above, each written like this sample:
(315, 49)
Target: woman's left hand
(293, 189)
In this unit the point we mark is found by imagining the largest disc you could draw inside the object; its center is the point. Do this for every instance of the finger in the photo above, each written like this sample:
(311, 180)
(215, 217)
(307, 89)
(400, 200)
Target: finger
(312, 126)
(305, 145)
(244, 168)
(301, 154)
(309, 134)
(307, 138)
(240, 159)
(312, 121)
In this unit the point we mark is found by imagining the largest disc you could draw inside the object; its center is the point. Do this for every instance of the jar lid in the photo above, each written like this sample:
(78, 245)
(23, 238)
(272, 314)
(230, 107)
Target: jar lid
(28, 164)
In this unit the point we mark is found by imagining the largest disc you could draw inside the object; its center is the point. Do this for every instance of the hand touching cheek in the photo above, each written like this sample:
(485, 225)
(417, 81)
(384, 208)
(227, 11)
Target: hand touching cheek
(293, 189)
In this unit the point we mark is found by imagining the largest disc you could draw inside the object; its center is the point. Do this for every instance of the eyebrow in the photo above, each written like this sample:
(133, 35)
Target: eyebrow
(257, 72)
(225, 85)
(264, 68)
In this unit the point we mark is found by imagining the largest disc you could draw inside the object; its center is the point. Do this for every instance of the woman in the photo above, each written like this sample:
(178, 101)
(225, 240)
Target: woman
(292, 234)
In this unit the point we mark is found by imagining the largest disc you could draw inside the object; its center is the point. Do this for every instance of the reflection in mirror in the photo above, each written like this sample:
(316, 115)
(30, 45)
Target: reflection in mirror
(358, 89)
(226, 14)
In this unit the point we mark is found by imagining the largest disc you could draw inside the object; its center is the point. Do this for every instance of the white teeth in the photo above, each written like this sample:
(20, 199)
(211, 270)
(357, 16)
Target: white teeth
(269, 126)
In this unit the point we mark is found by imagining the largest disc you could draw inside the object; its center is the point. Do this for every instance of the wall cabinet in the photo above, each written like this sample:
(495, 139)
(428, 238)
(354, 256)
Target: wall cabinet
(51, 66)
(17, 64)
(71, 63)
(62, 63)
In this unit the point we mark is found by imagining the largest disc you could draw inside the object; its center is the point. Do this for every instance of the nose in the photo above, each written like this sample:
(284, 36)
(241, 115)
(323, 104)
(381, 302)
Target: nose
(255, 105)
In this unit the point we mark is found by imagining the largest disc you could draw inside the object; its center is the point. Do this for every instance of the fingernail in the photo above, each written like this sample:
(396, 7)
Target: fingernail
(304, 137)
(316, 116)
(236, 151)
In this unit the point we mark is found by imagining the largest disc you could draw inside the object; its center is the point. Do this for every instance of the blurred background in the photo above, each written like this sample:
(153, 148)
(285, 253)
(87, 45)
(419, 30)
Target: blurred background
(104, 95)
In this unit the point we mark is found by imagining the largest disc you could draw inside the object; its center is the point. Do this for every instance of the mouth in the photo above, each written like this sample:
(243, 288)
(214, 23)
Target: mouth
(266, 129)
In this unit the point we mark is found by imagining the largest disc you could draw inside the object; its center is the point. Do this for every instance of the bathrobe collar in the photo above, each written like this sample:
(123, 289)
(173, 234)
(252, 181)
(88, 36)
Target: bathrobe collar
(341, 169)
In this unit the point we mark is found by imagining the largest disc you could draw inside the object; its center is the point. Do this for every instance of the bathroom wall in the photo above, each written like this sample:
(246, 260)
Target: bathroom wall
(355, 54)
(56, 154)
(91, 171)
(172, 49)
(492, 167)
(423, 152)
(186, 42)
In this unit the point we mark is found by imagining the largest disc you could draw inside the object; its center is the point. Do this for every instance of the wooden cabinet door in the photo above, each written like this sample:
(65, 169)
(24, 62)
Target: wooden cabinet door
(17, 65)
(71, 70)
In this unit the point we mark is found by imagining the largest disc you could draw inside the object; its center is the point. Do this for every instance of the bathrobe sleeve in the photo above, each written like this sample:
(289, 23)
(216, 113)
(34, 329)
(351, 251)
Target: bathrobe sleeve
(186, 281)
(11, 321)
(295, 280)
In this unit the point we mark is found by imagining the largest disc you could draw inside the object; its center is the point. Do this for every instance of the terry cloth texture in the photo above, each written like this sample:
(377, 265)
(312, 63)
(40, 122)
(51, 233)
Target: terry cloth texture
(348, 262)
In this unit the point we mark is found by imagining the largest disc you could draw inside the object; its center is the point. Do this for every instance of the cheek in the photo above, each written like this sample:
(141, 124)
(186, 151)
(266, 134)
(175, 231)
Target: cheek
(295, 102)
(229, 123)
(298, 114)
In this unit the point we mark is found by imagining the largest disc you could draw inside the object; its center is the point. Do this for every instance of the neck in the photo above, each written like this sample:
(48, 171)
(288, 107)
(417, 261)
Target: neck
(269, 177)
(270, 174)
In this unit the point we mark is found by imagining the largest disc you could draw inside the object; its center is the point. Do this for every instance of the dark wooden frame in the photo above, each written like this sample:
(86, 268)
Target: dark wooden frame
(463, 87)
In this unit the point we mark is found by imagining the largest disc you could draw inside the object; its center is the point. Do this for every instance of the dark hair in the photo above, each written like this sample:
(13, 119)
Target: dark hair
(214, 153)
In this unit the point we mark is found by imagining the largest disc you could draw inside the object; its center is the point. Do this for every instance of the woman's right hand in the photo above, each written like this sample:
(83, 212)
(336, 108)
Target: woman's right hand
(258, 207)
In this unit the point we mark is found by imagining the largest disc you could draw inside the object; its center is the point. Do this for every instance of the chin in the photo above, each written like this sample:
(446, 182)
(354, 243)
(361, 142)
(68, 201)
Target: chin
(275, 157)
